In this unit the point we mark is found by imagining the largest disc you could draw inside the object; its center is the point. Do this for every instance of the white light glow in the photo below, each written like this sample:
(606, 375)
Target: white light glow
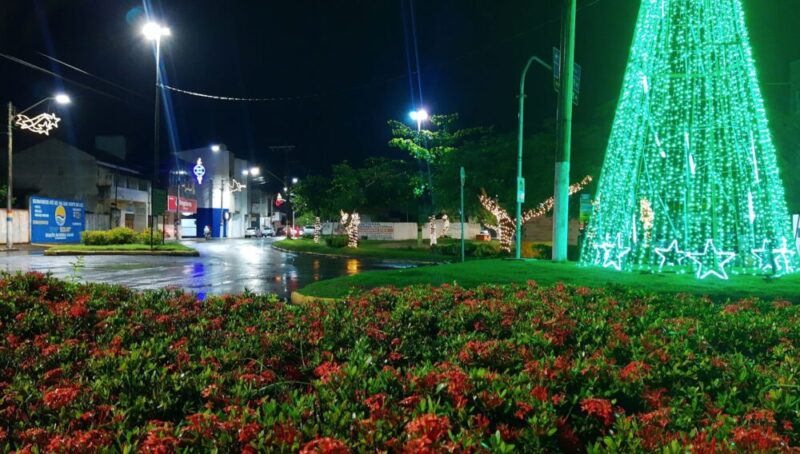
(62, 98)
(154, 31)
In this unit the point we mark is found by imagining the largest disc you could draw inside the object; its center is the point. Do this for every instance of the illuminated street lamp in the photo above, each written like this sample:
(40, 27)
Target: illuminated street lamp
(215, 148)
(40, 124)
(419, 116)
(154, 31)
(294, 180)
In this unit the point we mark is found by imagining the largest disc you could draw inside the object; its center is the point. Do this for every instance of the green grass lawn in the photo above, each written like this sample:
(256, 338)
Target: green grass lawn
(390, 250)
(474, 273)
(133, 249)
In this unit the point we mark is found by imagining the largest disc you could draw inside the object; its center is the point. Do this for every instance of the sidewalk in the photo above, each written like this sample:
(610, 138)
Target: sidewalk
(22, 249)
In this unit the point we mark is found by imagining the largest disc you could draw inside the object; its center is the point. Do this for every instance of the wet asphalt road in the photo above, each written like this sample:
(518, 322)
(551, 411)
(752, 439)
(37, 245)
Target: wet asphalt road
(224, 266)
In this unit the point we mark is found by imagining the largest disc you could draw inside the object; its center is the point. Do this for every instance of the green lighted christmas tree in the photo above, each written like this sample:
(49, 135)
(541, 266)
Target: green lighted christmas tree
(690, 180)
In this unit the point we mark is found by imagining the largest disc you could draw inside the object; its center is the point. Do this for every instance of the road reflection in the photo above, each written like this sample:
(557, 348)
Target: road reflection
(223, 267)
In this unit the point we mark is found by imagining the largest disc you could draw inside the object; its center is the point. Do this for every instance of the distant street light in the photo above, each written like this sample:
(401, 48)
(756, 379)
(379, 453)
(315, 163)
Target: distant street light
(520, 181)
(419, 116)
(294, 180)
(40, 124)
(215, 148)
(255, 171)
(154, 31)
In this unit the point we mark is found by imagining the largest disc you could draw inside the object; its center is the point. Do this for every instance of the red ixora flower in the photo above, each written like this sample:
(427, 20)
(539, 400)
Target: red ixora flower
(327, 371)
(430, 427)
(634, 371)
(60, 396)
(324, 445)
(599, 408)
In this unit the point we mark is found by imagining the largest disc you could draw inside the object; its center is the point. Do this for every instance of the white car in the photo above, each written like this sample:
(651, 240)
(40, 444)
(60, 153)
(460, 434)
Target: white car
(252, 232)
(267, 231)
(308, 230)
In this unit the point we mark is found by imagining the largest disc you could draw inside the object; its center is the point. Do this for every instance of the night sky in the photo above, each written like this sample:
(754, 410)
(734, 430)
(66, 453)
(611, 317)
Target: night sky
(346, 59)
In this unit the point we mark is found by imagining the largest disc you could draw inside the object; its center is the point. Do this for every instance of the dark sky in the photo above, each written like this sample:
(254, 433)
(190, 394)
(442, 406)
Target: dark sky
(349, 53)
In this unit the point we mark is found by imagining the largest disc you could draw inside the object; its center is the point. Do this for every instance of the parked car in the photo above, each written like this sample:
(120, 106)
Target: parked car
(308, 230)
(267, 231)
(252, 232)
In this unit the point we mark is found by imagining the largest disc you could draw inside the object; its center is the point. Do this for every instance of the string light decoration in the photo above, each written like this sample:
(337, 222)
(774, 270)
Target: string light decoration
(432, 228)
(40, 124)
(445, 225)
(199, 171)
(506, 226)
(236, 186)
(350, 223)
(317, 229)
(691, 138)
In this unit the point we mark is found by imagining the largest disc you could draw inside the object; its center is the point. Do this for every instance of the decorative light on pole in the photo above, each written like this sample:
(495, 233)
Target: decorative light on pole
(40, 124)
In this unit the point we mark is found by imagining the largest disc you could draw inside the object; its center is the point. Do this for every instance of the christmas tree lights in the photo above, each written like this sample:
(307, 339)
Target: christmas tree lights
(317, 229)
(690, 180)
(350, 223)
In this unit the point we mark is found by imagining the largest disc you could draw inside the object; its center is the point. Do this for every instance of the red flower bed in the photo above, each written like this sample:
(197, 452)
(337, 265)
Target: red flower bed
(91, 368)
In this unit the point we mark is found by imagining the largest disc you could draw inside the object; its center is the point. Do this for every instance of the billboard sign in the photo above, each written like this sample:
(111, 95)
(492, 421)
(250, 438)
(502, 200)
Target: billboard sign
(187, 205)
(56, 221)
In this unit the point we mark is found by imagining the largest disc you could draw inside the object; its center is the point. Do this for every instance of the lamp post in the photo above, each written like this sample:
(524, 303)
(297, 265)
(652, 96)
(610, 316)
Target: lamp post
(40, 124)
(463, 177)
(419, 116)
(520, 180)
(154, 31)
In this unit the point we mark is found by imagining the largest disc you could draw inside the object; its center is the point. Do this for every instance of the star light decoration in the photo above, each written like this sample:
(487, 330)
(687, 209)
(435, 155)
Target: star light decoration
(671, 255)
(711, 264)
(613, 253)
(764, 256)
(40, 124)
(783, 264)
(506, 225)
(691, 137)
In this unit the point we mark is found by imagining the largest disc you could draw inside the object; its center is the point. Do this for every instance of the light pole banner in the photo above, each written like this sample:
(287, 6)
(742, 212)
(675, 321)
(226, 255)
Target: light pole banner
(56, 221)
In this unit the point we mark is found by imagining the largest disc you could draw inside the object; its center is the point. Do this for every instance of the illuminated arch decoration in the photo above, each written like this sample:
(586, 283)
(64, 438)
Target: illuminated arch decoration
(199, 171)
(690, 181)
(40, 124)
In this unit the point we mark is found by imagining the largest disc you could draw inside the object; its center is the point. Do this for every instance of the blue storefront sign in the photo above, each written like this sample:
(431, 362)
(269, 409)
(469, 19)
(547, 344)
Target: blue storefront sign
(56, 221)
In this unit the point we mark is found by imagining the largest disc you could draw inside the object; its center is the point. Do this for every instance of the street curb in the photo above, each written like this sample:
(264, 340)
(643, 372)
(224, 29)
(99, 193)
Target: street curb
(299, 298)
(360, 257)
(150, 253)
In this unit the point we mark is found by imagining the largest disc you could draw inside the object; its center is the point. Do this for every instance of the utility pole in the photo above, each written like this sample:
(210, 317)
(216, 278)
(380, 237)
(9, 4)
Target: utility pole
(561, 195)
(463, 177)
(9, 211)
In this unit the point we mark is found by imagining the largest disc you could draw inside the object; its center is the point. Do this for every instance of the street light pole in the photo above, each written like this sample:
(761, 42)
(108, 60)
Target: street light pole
(520, 138)
(463, 177)
(60, 99)
(9, 212)
(561, 196)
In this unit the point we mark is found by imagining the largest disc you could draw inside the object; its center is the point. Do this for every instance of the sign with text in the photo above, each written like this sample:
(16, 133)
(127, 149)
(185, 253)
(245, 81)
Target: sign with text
(56, 221)
(187, 205)
(376, 230)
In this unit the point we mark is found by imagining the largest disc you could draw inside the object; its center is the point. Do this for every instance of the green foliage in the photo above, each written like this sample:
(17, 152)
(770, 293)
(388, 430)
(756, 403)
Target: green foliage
(91, 368)
(478, 249)
(336, 241)
(544, 251)
(119, 235)
(432, 145)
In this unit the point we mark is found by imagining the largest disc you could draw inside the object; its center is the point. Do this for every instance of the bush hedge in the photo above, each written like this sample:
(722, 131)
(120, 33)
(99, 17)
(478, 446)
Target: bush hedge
(87, 368)
(337, 241)
(120, 235)
(471, 249)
